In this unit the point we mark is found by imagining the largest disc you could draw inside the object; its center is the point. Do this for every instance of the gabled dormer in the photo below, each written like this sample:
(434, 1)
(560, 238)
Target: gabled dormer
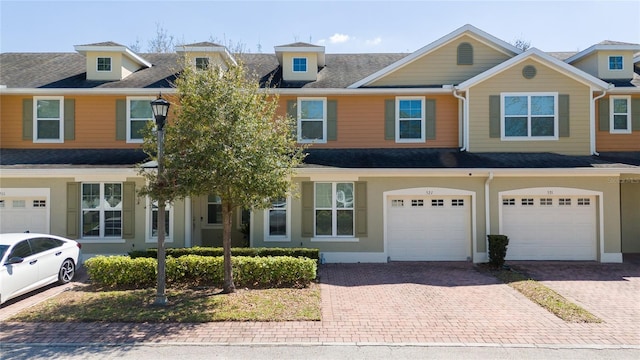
(300, 61)
(608, 60)
(110, 61)
(205, 54)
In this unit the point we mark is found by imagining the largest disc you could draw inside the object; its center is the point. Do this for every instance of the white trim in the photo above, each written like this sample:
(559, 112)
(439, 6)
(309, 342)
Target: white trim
(422, 119)
(299, 120)
(110, 63)
(101, 240)
(31, 192)
(544, 59)
(60, 120)
(148, 237)
(287, 236)
(529, 117)
(612, 99)
(129, 120)
(470, 30)
(609, 62)
(83, 49)
(611, 257)
(354, 257)
(341, 239)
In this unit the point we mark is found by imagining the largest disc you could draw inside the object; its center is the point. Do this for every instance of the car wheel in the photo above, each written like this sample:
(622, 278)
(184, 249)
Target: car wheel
(67, 271)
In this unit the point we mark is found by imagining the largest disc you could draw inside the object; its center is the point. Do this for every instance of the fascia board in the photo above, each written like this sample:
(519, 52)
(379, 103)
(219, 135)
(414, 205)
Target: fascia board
(119, 49)
(470, 172)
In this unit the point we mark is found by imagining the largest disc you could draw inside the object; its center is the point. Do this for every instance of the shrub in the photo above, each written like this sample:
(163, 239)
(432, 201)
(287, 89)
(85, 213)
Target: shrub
(195, 270)
(497, 249)
(218, 251)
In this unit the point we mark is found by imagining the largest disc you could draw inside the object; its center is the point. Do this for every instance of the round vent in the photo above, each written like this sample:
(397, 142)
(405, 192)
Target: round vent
(529, 72)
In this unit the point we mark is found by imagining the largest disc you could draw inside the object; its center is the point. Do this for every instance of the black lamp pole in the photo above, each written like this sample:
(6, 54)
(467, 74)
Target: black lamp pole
(160, 109)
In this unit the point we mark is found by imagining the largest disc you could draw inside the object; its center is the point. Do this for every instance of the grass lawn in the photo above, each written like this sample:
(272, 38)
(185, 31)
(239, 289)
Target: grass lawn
(86, 304)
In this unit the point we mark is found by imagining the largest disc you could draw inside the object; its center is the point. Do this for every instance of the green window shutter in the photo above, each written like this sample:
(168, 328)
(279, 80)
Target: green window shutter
(430, 118)
(465, 54)
(361, 209)
(307, 209)
(563, 116)
(121, 119)
(390, 119)
(27, 119)
(332, 120)
(635, 114)
(128, 210)
(494, 116)
(69, 119)
(73, 210)
(603, 114)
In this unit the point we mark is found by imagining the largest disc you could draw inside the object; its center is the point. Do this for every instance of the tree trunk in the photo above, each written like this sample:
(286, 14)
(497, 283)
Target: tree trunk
(228, 286)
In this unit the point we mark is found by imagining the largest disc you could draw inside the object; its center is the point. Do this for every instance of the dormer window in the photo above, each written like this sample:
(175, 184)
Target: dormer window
(615, 62)
(202, 63)
(103, 64)
(299, 64)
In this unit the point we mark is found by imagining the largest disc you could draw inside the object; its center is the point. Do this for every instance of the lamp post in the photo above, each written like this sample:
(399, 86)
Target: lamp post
(160, 108)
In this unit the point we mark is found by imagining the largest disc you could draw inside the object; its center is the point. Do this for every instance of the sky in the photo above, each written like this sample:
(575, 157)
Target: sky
(340, 26)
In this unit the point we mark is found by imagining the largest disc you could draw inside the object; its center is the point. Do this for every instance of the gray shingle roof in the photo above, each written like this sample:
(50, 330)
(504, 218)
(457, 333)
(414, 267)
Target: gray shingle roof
(78, 157)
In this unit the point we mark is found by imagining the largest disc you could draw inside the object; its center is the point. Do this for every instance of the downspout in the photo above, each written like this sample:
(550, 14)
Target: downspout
(592, 138)
(465, 123)
(487, 210)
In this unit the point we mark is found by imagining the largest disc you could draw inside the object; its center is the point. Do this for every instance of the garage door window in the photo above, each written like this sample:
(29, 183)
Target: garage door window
(334, 209)
(584, 202)
(546, 202)
(564, 202)
(101, 209)
(437, 202)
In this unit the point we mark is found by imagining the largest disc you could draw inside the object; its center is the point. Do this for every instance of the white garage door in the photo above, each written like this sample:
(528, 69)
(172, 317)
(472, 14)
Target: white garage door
(550, 228)
(429, 228)
(23, 213)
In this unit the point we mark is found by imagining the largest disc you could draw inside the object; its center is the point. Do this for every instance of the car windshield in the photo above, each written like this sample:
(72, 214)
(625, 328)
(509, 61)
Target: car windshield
(3, 249)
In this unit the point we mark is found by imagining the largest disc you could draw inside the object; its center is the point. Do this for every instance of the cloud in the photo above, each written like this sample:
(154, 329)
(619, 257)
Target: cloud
(338, 38)
(375, 41)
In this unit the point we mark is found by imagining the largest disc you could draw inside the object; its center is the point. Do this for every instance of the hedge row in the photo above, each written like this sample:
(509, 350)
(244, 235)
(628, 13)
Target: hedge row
(218, 251)
(124, 272)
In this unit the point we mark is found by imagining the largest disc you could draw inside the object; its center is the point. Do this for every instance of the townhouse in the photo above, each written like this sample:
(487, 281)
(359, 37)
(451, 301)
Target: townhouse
(412, 157)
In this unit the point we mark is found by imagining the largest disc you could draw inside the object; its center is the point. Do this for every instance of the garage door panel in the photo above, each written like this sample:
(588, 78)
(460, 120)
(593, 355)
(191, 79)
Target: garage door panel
(23, 214)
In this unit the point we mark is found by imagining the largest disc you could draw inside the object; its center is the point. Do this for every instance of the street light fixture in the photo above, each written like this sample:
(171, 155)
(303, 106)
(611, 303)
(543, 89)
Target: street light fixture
(160, 108)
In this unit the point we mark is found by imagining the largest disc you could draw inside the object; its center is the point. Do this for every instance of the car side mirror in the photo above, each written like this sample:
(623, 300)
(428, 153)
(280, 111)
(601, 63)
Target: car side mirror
(14, 260)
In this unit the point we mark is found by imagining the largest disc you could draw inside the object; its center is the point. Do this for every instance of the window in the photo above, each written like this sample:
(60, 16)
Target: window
(457, 202)
(334, 211)
(584, 201)
(138, 113)
(312, 120)
(417, 202)
(526, 202)
(564, 201)
(530, 116)
(546, 202)
(214, 210)
(465, 54)
(508, 202)
(39, 203)
(299, 64)
(101, 210)
(202, 63)
(397, 203)
(152, 221)
(620, 114)
(103, 64)
(18, 204)
(615, 62)
(410, 120)
(277, 221)
(22, 249)
(48, 115)
(43, 244)
(437, 202)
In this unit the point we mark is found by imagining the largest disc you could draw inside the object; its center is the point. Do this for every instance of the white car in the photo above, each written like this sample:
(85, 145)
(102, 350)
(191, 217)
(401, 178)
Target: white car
(29, 261)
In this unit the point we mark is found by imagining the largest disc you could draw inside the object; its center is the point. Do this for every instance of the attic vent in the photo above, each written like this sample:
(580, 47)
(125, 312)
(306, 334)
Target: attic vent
(465, 54)
(529, 72)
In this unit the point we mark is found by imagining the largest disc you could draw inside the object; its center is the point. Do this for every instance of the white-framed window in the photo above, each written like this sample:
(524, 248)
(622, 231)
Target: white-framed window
(202, 63)
(152, 221)
(48, 119)
(299, 64)
(312, 120)
(101, 210)
(214, 210)
(334, 209)
(138, 114)
(410, 119)
(529, 116)
(277, 221)
(615, 62)
(620, 114)
(103, 64)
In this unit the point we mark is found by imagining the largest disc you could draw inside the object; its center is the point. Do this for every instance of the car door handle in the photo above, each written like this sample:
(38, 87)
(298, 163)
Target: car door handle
(58, 253)
(33, 262)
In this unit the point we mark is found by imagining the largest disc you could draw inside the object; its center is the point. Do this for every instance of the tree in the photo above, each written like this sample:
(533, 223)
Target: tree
(162, 43)
(226, 140)
(522, 44)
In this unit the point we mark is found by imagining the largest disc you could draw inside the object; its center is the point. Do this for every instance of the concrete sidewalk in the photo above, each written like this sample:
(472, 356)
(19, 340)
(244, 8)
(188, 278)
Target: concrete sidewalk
(406, 303)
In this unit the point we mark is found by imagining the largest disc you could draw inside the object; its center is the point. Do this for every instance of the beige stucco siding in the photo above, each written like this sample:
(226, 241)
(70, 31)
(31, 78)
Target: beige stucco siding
(116, 66)
(546, 80)
(440, 66)
(630, 213)
(287, 66)
(627, 65)
(588, 64)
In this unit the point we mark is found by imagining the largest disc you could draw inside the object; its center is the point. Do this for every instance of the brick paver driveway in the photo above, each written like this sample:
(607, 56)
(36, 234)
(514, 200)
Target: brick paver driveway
(433, 302)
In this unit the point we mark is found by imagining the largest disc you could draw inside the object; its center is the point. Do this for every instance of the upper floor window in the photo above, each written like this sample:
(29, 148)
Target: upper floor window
(202, 63)
(410, 119)
(299, 64)
(48, 119)
(620, 114)
(214, 210)
(104, 64)
(334, 209)
(615, 62)
(138, 113)
(152, 221)
(312, 120)
(529, 116)
(277, 221)
(101, 210)
(465, 54)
